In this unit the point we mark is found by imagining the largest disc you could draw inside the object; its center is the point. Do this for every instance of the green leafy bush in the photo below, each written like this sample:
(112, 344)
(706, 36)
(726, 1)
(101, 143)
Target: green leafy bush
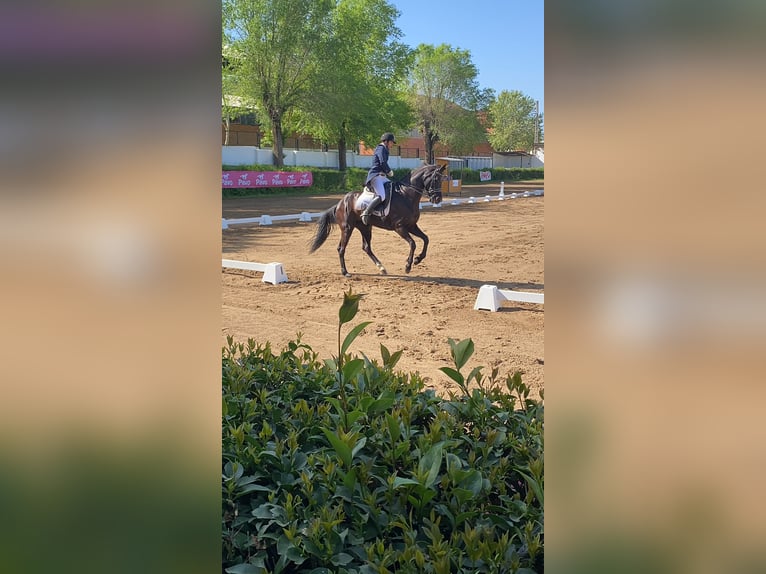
(324, 181)
(506, 174)
(349, 466)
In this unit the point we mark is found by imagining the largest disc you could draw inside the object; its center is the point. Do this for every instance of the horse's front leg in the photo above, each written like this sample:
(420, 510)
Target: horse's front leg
(417, 232)
(367, 248)
(404, 234)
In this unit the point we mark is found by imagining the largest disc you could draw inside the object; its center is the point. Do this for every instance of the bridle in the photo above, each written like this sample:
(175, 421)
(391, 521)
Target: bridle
(431, 191)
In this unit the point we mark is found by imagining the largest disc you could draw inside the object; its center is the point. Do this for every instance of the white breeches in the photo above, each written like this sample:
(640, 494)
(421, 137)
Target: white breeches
(378, 184)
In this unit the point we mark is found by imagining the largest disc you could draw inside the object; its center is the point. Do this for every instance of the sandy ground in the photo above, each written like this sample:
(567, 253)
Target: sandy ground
(497, 242)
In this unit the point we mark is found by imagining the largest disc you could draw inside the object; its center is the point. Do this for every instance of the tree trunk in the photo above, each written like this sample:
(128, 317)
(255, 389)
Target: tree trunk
(429, 150)
(227, 126)
(342, 153)
(429, 138)
(276, 133)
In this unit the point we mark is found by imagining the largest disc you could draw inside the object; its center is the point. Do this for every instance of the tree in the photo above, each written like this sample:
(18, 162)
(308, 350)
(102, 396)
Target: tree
(278, 45)
(232, 106)
(354, 96)
(512, 116)
(446, 97)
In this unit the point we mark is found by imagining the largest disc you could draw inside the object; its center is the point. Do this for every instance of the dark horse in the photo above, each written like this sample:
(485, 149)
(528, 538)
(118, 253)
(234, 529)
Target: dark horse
(402, 216)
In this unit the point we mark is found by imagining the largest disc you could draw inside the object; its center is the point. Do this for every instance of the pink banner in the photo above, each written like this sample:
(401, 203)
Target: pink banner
(267, 179)
(485, 175)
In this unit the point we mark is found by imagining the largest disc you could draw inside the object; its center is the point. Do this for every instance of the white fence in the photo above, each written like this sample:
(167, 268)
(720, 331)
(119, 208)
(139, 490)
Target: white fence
(272, 272)
(241, 155)
(517, 160)
(305, 216)
(252, 155)
(490, 297)
(478, 162)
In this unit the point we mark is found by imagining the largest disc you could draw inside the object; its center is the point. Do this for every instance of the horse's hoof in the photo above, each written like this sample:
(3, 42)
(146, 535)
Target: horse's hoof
(408, 269)
(383, 271)
(417, 260)
(346, 274)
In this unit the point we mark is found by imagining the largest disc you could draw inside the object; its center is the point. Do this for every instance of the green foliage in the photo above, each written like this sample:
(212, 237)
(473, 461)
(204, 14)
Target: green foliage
(506, 174)
(347, 466)
(513, 119)
(274, 50)
(355, 97)
(445, 97)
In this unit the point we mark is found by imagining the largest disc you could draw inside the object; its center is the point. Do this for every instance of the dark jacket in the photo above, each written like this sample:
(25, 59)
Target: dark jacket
(379, 162)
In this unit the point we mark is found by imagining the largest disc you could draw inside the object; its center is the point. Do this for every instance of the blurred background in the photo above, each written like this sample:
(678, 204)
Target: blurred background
(655, 307)
(109, 266)
(110, 248)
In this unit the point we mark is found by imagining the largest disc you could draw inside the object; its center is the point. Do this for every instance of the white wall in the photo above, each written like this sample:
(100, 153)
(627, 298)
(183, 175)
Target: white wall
(499, 160)
(245, 155)
(249, 155)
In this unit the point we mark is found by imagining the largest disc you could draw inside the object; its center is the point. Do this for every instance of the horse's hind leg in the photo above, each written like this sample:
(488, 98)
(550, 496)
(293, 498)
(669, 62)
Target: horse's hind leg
(367, 248)
(417, 232)
(345, 235)
(404, 234)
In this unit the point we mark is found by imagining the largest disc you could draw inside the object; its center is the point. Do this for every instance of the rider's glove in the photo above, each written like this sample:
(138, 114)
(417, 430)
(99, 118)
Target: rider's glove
(390, 173)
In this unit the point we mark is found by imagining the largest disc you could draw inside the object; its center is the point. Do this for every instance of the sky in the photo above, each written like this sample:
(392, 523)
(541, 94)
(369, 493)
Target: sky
(505, 38)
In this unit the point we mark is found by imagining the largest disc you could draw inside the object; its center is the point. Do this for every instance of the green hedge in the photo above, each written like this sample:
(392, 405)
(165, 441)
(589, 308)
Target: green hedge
(334, 181)
(507, 174)
(347, 466)
(325, 181)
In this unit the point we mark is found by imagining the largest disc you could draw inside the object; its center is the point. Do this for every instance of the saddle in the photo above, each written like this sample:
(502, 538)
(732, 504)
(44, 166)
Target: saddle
(368, 193)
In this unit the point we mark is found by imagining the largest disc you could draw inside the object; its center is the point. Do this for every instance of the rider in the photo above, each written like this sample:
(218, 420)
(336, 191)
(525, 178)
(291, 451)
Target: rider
(379, 174)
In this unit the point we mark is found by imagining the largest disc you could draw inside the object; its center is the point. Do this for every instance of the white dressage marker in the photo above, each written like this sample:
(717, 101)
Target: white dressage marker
(272, 272)
(490, 297)
(307, 217)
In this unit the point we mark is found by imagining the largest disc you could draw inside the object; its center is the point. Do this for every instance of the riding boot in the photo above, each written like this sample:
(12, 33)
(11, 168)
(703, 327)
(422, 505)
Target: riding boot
(376, 201)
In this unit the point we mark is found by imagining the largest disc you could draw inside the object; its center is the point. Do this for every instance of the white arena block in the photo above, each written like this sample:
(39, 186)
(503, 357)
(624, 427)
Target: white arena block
(490, 297)
(272, 272)
(305, 216)
(224, 225)
(265, 220)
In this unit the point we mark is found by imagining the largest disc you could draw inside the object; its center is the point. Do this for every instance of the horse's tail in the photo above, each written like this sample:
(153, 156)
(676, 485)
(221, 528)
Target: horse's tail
(324, 226)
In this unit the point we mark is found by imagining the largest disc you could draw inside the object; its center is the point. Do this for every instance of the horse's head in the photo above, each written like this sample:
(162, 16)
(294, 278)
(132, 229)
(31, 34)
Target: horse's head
(428, 179)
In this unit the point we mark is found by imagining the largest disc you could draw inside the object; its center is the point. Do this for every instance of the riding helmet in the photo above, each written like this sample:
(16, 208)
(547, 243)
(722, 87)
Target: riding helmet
(387, 137)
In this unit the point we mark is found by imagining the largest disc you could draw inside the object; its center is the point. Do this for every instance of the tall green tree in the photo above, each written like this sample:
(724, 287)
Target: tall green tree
(278, 44)
(513, 116)
(355, 96)
(446, 98)
(232, 105)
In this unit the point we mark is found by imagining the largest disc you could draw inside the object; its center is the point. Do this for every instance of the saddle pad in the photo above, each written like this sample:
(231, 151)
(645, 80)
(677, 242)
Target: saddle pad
(366, 197)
